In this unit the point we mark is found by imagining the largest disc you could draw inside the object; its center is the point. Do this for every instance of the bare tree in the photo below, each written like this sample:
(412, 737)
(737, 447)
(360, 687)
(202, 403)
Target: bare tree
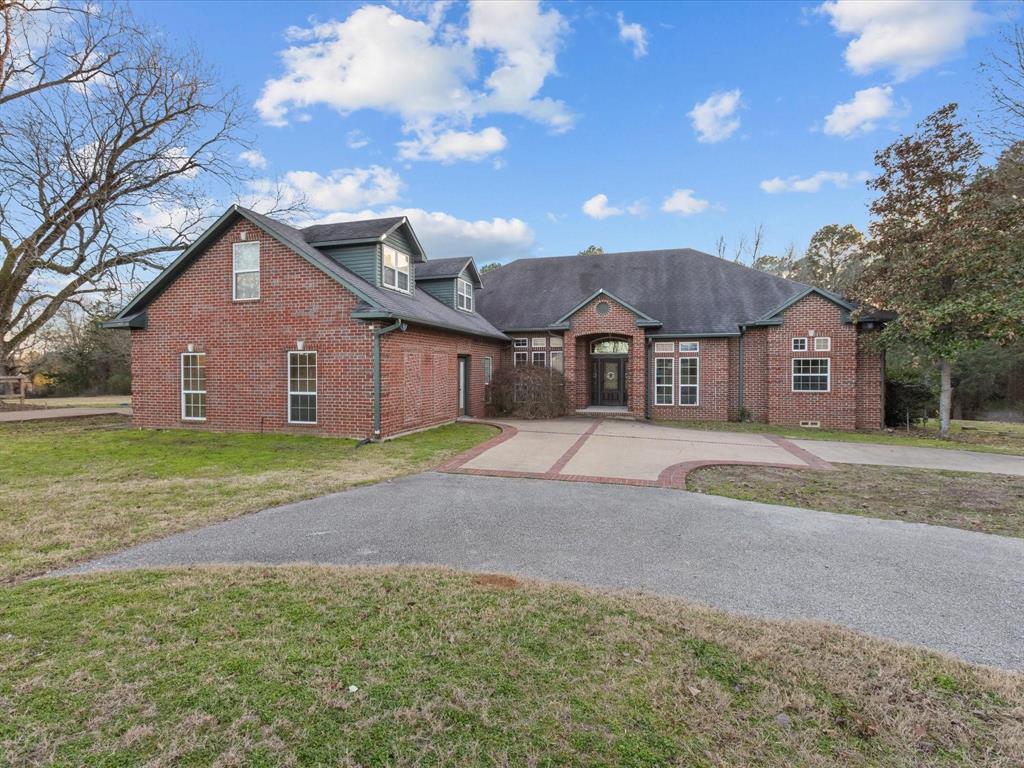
(744, 248)
(108, 142)
(1004, 71)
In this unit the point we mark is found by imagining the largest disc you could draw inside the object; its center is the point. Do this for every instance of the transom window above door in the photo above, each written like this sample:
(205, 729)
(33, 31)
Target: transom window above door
(610, 347)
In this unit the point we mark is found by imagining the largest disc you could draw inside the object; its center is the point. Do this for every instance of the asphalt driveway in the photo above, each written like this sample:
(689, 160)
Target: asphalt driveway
(951, 590)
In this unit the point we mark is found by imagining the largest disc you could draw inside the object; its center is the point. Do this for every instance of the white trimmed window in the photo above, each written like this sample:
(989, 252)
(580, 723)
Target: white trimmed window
(811, 374)
(556, 361)
(394, 268)
(520, 358)
(555, 341)
(664, 380)
(520, 342)
(689, 380)
(540, 358)
(488, 370)
(538, 341)
(464, 296)
(799, 344)
(245, 271)
(664, 346)
(302, 387)
(822, 343)
(689, 346)
(193, 386)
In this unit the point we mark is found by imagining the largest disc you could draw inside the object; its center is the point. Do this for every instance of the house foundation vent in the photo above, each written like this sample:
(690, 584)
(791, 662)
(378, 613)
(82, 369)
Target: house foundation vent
(811, 424)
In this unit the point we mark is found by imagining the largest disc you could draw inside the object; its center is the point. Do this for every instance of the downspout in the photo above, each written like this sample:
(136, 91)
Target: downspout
(377, 333)
(648, 381)
(739, 403)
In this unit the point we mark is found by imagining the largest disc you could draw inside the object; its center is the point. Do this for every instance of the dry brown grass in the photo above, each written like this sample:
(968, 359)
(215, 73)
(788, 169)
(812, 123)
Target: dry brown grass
(972, 501)
(242, 666)
(73, 489)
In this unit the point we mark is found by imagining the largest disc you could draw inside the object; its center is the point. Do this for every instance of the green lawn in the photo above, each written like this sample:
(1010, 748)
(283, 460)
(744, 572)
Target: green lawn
(989, 437)
(968, 500)
(321, 666)
(72, 489)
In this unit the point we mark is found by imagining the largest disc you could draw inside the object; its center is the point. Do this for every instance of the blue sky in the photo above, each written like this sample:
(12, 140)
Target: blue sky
(497, 128)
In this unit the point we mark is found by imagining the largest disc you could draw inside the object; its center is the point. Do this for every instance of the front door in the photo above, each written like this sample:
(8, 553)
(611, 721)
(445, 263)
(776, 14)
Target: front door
(463, 386)
(610, 381)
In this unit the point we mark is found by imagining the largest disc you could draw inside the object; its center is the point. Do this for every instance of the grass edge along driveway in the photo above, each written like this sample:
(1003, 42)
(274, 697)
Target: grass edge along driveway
(74, 489)
(304, 665)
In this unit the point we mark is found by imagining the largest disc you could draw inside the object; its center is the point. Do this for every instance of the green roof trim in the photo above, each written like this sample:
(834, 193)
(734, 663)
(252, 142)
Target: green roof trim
(139, 320)
(642, 321)
(828, 295)
(371, 314)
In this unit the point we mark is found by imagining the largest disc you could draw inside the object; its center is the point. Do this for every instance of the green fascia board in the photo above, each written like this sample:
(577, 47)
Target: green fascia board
(353, 241)
(718, 335)
(381, 315)
(834, 298)
(139, 320)
(411, 236)
(642, 319)
(173, 269)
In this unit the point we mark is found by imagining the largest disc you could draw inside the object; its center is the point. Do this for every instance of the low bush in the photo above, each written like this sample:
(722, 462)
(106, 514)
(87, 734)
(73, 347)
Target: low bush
(528, 392)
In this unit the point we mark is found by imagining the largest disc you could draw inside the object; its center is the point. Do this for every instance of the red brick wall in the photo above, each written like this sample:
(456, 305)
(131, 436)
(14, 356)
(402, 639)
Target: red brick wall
(419, 381)
(587, 325)
(714, 381)
(835, 409)
(870, 384)
(246, 346)
(755, 374)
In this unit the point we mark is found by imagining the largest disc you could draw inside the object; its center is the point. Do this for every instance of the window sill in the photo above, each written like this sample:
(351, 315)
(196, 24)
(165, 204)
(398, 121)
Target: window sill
(245, 301)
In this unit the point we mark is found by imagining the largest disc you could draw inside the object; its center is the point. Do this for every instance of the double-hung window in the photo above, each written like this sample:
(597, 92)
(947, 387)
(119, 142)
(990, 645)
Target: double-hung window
(689, 380)
(395, 268)
(540, 359)
(302, 387)
(811, 374)
(519, 358)
(664, 380)
(465, 294)
(193, 386)
(245, 271)
(488, 376)
(556, 360)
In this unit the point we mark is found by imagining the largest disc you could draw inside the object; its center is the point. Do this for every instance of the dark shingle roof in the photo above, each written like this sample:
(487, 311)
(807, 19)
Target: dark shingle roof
(689, 292)
(350, 230)
(439, 268)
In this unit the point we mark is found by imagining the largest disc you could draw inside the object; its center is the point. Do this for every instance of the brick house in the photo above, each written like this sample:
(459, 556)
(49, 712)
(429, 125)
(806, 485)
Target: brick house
(348, 329)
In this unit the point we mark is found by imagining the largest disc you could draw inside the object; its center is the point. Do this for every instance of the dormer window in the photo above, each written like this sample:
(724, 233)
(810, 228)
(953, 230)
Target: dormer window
(465, 294)
(395, 269)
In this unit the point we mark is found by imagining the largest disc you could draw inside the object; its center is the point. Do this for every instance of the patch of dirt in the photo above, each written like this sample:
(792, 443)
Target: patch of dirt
(496, 580)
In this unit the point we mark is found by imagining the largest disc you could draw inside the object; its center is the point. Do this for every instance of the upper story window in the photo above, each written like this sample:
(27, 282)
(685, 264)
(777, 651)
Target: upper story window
(799, 344)
(822, 343)
(395, 269)
(464, 297)
(245, 258)
(689, 346)
(664, 346)
(538, 341)
(520, 342)
(556, 342)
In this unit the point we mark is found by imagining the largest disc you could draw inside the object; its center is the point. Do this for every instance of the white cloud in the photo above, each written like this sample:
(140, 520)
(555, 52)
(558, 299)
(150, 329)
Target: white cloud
(253, 158)
(861, 113)
(444, 235)
(426, 71)
(356, 139)
(450, 146)
(597, 208)
(684, 203)
(634, 34)
(905, 37)
(840, 179)
(340, 189)
(715, 118)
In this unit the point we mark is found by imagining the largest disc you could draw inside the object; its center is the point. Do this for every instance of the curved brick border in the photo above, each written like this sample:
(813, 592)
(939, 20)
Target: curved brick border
(507, 433)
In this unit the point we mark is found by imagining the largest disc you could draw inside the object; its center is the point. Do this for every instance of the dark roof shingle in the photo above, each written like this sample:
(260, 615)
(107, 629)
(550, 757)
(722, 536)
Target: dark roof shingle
(366, 229)
(689, 292)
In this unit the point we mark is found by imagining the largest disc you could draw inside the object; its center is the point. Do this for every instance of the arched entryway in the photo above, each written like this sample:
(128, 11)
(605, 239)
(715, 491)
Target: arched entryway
(609, 371)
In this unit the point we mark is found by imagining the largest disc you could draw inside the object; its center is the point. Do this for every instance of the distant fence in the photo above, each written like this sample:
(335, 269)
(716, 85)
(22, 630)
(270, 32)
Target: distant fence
(15, 386)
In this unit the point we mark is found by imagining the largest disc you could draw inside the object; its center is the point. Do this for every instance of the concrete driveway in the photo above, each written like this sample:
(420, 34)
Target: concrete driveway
(641, 453)
(952, 590)
(621, 452)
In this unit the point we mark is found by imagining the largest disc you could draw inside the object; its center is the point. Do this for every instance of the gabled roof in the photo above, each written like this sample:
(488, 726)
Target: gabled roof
(689, 292)
(642, 320)
(448, 269)
(417, 307)
(363, 231)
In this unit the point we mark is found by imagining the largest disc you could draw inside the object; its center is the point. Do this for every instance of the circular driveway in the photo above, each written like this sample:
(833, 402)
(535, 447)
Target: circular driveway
(947, 589)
